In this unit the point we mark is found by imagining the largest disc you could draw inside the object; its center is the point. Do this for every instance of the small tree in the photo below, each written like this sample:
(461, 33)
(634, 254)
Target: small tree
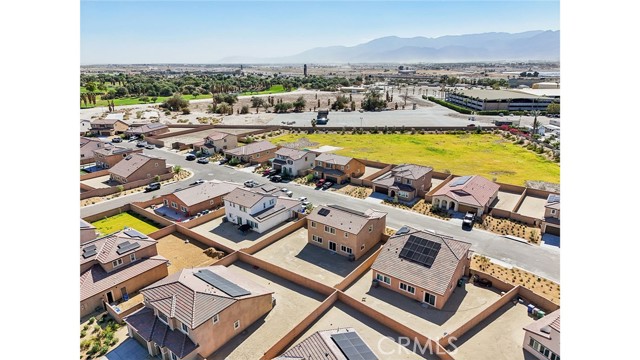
(156, 178)
(177, 168)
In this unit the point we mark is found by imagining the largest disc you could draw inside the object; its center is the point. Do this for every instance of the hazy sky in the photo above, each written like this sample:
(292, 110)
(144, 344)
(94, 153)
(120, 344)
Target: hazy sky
(207, 31)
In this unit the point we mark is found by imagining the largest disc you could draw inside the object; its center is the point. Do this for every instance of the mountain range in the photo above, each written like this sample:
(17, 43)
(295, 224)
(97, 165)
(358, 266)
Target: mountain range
(493, 46)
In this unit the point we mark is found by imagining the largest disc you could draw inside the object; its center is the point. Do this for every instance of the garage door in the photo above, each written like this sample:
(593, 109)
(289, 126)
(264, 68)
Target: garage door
(552, 230)
(332, 179)
(381, 190)
(465, 209)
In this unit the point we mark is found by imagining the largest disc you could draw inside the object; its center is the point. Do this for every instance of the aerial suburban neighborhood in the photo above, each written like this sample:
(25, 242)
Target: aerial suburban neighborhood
(348, 202)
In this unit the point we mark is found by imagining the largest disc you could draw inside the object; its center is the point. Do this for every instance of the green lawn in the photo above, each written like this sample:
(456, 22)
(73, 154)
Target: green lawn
(136, 101)
(118, 222)
(274, 89)
(483, 154)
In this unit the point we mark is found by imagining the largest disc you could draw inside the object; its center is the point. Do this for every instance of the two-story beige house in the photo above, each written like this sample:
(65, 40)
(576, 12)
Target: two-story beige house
(216, 142)
(116, 265)
(406, 181)
(551, 223)
(344, 231)
(111, 125)
(542, 337)
(194, 312)
(337, 169)
(293, 162)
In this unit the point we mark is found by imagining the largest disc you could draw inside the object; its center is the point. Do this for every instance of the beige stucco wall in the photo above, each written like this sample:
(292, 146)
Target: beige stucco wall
(353, 241)
(552, 344)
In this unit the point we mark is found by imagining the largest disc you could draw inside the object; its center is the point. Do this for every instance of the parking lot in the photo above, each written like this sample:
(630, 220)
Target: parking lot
(532, 206)
(227, 233)
(507, 200)
(293, 303)
(293, 252)
(499, 337)
(375, 335)
(464, 303)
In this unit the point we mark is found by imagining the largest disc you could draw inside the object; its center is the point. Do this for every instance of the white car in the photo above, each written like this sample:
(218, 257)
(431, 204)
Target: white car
(289, 193)
(302, 198)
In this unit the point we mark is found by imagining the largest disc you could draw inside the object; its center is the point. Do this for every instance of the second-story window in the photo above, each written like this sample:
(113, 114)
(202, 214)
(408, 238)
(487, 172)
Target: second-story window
(163, 318)
(184, 328)
(117, 262)
(132, 257)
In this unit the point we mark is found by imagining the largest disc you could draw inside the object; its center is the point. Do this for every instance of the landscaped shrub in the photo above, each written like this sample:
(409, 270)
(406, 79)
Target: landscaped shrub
(83, 333)
(451, 106)
(92, 320)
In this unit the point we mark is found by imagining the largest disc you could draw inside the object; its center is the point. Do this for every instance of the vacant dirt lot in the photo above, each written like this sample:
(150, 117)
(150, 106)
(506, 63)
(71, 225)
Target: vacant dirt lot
(183, 255)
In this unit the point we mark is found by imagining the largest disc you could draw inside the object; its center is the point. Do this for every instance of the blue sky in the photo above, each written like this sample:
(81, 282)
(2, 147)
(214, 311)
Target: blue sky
(206, 31)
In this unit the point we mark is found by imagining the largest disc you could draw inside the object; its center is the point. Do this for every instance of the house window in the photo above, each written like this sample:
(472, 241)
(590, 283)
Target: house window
(403, 194)
(211, 202)
(407, 181)
(132, 257)
(271, 202)
(408, 288)
(243, 209)
(543, 350)
(163, 318)
(371, 228)
(184, 328)
(342, 167)
(317, 239)
(166, 202)
(346, 234)
(385, 279)
(362, 247)
(173, 356)
(329, 229)
(347, 167)
(236, 324)
(313, 224)
(117, 262)
(216, 318)
(183, 209)
(346, 249)
(430, 299)
(156, 164)
(174, 205)
(553, 211)
(398, 179)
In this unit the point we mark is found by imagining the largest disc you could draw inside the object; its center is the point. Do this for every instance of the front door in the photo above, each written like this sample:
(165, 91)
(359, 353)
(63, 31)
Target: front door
(109, 297)
(332, 246)
(429, 299)
(123, 291)
(239, 220)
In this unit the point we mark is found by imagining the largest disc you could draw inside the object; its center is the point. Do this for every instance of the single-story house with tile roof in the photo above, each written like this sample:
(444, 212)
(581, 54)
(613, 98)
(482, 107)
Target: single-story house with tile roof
(337, 169)
(150, 129)
(336, 344)
(196, 198)
(87, 146)
(422, 265)
(255, 153)
(116, 265)
(406, 181)
(542, 337)
(471, 193)
(192, 313)
(344, 231)
(551, 223)
(216, 142)
(136, 167)
(260, 212)
(293, 162)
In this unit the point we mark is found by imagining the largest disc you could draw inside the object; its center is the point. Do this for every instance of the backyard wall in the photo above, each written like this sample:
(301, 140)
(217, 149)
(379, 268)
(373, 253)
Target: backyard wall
(496, 283)
(163, 232)
(282, 344)
(203, 219)
(200, 238)
(94, 174)
(119, 316)
(297, 224)
(357, 272)
(429, 196)
(130, 185)
(149, 215)
(107, 213)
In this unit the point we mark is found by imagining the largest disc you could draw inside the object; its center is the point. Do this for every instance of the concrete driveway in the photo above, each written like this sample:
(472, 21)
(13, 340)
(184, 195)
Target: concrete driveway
(128, 350)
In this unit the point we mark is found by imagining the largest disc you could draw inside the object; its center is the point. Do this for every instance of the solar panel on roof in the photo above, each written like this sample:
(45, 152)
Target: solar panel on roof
(90, 247)
(421, 251)
(221, 283)
(353, 347)
(88, 253)
(460, 181)
(324, 212)
(135, 234)
(123, 244)
(127, 248)
(553, 198)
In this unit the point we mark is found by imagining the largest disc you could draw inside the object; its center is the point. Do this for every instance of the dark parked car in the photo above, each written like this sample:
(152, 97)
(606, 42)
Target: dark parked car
(150, 146)
(276, 178)
(190, 157)
(116, 140)
(203, 160)
(224, 161)
(327, 185)
(152, 187)
(199, 181)
(468, 220)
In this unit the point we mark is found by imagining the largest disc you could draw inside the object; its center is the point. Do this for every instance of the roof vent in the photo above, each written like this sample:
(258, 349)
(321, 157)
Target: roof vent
(128, 157)
(546, 329)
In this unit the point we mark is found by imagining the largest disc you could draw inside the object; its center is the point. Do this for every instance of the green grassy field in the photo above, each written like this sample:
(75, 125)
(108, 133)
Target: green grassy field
(483, 154)
(275, 89)
(118, 222)
(136, 101)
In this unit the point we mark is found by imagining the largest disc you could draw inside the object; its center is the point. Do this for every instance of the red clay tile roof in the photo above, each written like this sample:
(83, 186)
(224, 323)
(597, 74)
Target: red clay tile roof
(131, 163)
(149, 327)
(333, 159)
(95, 280)
(344, 219)
(294, 154)
(107, 246)
(203, 192)
(251, 149)
(193, 301)
(551, 320)
(475, 192)
(435, 279)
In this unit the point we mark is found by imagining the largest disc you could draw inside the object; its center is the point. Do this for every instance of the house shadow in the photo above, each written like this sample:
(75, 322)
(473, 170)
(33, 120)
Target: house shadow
(552, 240)
(331, 261)
(230, 231)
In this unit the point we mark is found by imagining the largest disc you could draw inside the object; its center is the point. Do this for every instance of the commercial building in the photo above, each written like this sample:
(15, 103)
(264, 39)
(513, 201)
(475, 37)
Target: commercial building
(496, 100)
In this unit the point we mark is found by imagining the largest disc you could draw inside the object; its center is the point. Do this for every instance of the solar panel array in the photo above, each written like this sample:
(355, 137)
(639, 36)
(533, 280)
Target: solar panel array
(553, 198)
(221, 283)
(135, 234)
(324, 212)
(126, 247)
(421, 251)
(353, 347)
(459, 181)
(89, 251)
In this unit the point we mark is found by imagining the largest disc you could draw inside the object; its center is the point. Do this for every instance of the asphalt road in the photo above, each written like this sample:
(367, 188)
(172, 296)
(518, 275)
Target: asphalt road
(541, 260)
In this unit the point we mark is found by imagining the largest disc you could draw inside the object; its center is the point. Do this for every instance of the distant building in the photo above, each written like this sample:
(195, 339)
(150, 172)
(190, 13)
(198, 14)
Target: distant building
(546, 85)
(151, 129)
(293, 162)
(507, 100)
(136, 167)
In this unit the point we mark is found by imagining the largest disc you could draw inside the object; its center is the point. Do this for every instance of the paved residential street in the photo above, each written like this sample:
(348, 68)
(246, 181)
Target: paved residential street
(541, 260)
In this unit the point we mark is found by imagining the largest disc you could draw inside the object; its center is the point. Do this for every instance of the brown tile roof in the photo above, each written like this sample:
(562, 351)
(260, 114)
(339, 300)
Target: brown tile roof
(245, 197)
(411, 171)
(96, 281)
(87, 146)
(193, 301)
(131, 163)
(552, 321)
(435, 279)
(553, 202)
(107, 246)
(217, 135)
(203, 192)
(476, 191)
(344, 219)
(251, 149)
(333, 159)
(150, 328)
(328, 171)
(146, 128)
(318, 346)
(294, 154)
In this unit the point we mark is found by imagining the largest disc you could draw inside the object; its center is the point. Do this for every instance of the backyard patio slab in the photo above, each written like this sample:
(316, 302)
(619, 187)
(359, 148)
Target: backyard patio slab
(227, 233)
(532, 206)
